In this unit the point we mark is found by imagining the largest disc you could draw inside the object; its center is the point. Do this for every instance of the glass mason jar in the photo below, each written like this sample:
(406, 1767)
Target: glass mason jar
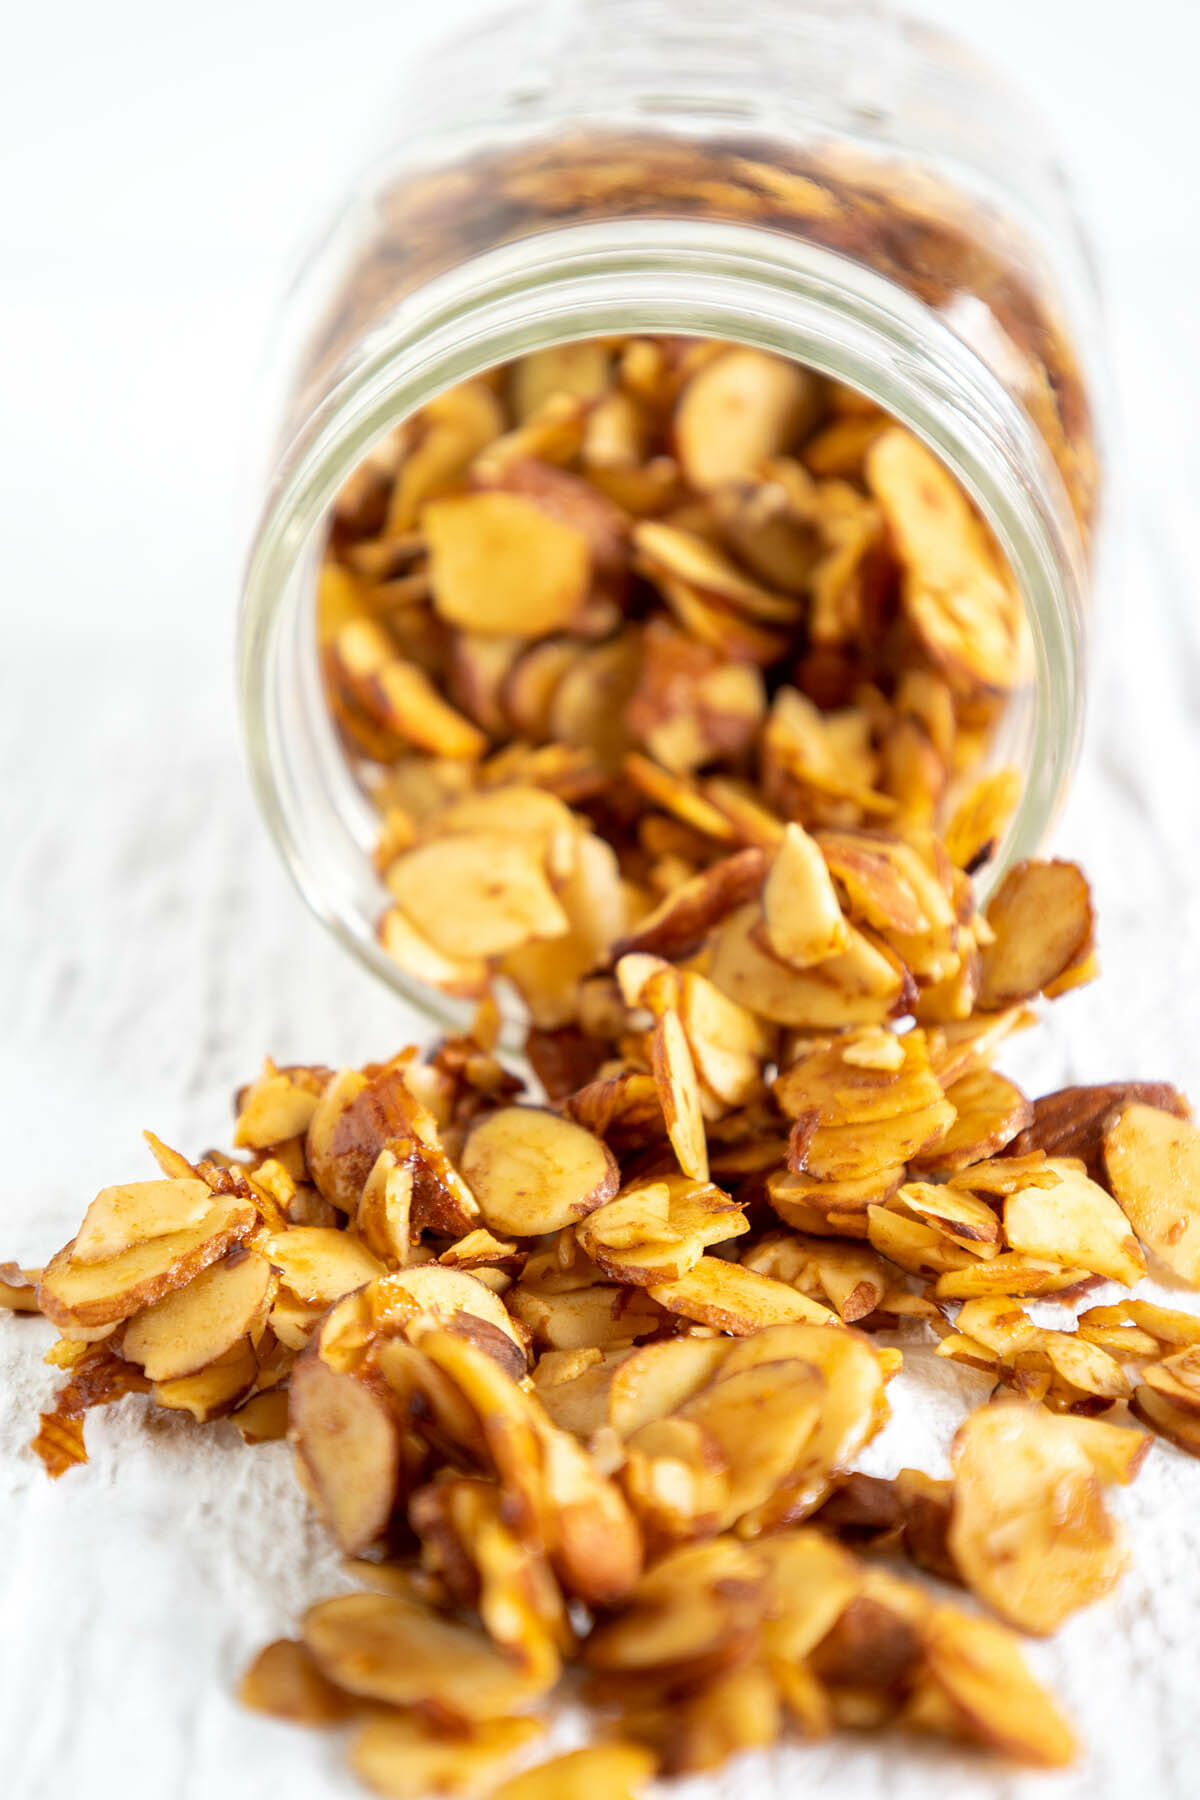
(813, 177)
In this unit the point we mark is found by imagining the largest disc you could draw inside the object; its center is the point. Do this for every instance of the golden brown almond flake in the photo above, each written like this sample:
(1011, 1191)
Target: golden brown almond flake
(1152, 1160)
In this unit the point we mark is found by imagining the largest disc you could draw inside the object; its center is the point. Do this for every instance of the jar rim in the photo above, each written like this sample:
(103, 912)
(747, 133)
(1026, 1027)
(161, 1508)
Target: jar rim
(744, 283)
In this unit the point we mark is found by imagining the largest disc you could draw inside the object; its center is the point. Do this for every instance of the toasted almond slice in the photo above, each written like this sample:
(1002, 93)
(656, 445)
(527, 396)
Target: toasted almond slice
(613, 1771)
(552, 1488)
(1012, 1274)
(211, 1392)
(481, 1249)
(800, 1199)
(676, 1480)
(137, 1212)
(981, 818)
(698, 1215)
(461, 1522)
(728, 1044)
(862, 1077)
(917, 1247)
(318, 1264)
(679, 1095)
(989, 1112)
(978, 1671)
(686, 916)
(527, 693)
(997, 1322)
(1178, 1424)
(1029, 1531)
(1153, 1166)
(476, 894)
(849, 1152)
(534, 1171)
(347, 1442)
(499, 563)
(850, 1276)
(1073, 1120)
(594, 899)
(854, 1409)
(385, 1648)
(74, 1295)
(1115, 1452)
(638, 1215)
(1075, 1223)
(588, 707)
(580, 369)
(858, 986)
(18, 1288)
(455, 426)
(401, 1756)
(658, 1378)
(1177, 1378)
(574, 1386)
(695, 1610)
(399, 695)
(598, 1317)
(762, 1420)
(1165, 1323)
(553, 435)
(465, 977)
(960, 1217)
(740, 409)
(668, 554)
(1042, 919)
(1003, 1175)
(966, 616)
(432, 1296)
(263, 1419)
(274, 1108)
(810, 1583)
(734, 1299)
(284, 1681)
(197, 1324)
(383, 1219)
(800, 907)
(1084, 1366)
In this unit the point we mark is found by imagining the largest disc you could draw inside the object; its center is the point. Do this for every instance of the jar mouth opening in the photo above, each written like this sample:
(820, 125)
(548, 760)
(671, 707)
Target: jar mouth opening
(747, 284)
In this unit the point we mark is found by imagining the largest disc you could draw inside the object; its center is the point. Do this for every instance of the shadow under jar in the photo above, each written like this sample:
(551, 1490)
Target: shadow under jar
(823, 183)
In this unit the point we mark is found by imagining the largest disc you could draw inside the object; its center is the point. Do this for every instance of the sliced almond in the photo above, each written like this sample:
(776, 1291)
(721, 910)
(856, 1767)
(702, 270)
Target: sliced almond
(404, 1757)
(499, 563)
(733, 1299)
(196, 1324)
(476, 894)
(382, 1647)
(1153, 1166)
(534, 1171)
(73, 1294)
(1042, 921)
(1029, 1531)
(1076, 1223)
(740, 409)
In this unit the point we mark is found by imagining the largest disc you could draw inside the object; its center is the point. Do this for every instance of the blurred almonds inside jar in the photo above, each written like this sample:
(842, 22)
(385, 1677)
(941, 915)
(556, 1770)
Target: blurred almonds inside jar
(597, 624)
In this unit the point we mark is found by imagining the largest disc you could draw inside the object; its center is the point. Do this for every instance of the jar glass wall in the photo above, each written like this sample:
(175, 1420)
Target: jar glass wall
(824, 183)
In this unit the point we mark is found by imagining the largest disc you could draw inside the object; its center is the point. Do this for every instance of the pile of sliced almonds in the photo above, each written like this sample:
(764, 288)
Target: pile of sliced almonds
(578, 1376)
(585, 1381)
(599, 620)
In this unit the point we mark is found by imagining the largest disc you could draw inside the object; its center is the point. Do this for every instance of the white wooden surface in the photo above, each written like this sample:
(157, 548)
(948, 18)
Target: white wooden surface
(153, 173)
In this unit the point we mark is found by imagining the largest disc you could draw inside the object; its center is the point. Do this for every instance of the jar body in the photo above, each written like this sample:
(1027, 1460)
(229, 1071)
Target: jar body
(817, 180)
